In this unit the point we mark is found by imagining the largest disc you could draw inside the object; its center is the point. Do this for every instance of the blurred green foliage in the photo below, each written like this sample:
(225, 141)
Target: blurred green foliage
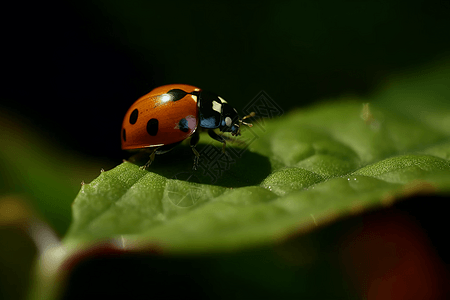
(45, 175)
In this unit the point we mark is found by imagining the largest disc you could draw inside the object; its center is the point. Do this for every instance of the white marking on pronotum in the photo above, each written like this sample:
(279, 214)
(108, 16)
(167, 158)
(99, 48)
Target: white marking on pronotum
(222, 100)
(228, 121)
(217, 106)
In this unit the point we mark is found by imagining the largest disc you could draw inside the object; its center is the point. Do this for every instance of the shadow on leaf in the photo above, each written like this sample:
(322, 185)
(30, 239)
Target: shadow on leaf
(238, 167)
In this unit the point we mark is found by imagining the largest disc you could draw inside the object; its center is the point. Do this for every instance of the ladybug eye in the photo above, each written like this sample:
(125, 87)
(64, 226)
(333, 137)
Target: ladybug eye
(175, 95)
(228, 121)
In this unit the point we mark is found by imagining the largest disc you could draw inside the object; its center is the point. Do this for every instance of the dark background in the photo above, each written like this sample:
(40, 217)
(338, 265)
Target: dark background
(73, 68)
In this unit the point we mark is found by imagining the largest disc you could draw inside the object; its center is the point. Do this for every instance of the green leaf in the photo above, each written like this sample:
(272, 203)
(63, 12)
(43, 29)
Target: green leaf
(247, 213)
(294, 173)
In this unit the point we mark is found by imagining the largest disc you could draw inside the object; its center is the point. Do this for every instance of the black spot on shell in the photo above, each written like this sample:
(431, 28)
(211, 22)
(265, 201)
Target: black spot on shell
(134, 116)
(124, 135)
(152, 127)
(183, 125)
(177, 94)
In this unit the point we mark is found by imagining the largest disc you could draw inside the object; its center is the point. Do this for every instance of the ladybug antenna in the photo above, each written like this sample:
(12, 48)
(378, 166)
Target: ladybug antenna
(252, 114)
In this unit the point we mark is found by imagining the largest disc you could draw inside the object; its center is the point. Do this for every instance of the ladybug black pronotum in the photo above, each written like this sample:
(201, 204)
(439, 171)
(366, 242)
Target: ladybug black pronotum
(169, 114)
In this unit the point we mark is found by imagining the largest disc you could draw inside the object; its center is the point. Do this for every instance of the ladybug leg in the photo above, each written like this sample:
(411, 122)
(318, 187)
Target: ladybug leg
(232, 139)
(219, 138)
(194, 141)
(152, 158)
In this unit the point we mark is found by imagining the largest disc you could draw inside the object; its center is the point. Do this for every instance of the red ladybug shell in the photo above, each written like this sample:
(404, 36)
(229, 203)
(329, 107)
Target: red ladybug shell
(158, 119)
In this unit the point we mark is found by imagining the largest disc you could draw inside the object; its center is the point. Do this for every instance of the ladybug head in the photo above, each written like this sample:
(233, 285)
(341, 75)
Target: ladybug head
(230, 121)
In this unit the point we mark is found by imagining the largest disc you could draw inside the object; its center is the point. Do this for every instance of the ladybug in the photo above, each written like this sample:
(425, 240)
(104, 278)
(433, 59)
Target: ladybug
(169, 114)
